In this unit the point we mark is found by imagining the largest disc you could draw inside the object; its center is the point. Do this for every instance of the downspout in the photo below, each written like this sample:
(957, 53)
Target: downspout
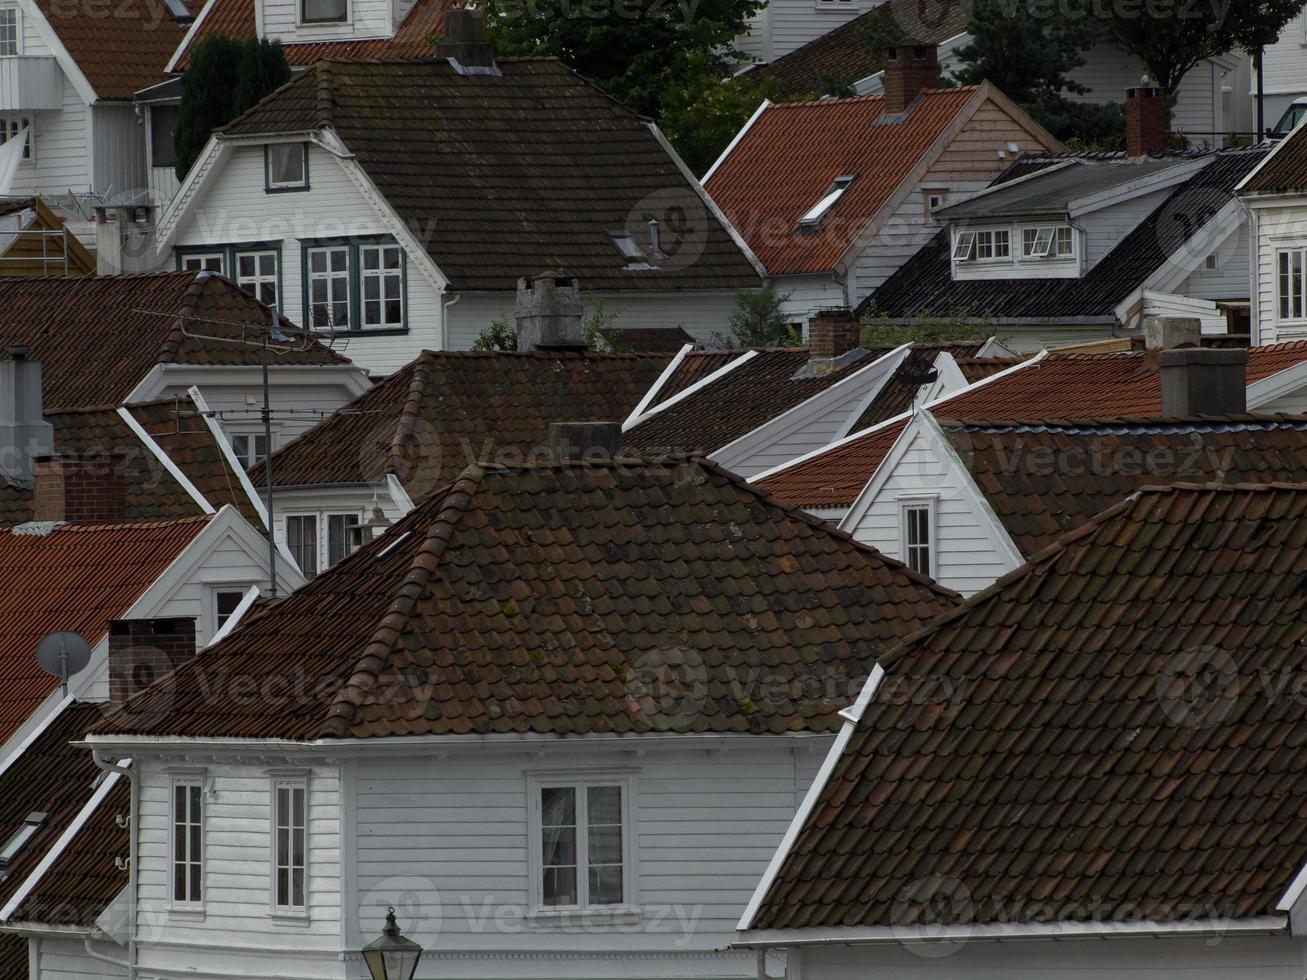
(133, 810)
(1254, 273)
(101, 957)
(444, 320)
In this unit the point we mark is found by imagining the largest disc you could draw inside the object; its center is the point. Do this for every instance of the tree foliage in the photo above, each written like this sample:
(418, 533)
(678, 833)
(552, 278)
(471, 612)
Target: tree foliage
(225, 78)
(758, 321)
(702, 116)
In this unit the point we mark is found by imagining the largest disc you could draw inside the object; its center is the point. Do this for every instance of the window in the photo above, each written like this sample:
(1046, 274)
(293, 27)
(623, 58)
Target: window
(251, 448)
(187, 841)
(812, 217)
(963, 245)
(1046, 243)
(1291, 283)
(918, 540)
(11, 126)
(329, 275)
(581, 833)
(992, 245)
(9, 41)
(302, 539)
(287, 166)
(202, 262)
(225, 602)
(342, 536)
(18, 840)
(290, 830)
(256, 272)
(932, 200)
(163, 134)
(323, 11)
(382, 276)
(1211, 263)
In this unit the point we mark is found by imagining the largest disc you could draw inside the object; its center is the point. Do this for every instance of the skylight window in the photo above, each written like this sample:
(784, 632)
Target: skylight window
(814, 214)
(963, 245)
(20, 838)
(635, 259)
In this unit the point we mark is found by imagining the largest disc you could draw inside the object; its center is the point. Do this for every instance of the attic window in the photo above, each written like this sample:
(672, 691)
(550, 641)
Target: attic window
(287, 166)
(963, 245)
(625, 244)
(20, 838)
(1046, 243)
(324, 11)
(812, 217)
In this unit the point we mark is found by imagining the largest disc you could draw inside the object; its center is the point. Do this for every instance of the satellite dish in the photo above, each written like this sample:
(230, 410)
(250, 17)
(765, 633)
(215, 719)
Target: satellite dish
(63, 654)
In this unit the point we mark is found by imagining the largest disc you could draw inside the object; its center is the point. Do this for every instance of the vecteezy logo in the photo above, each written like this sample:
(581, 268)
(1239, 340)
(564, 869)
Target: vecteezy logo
(925, 20)
(417, 905)
(933, 916)
(406, 446)
(668, 687)
(669, 228)
(1198, 688)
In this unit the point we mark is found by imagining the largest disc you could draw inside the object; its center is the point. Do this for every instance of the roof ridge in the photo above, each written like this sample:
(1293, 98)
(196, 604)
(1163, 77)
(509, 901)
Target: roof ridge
(410, 413)
(372, 661)
(85, 527)
(1137, 421)
(176, 336)
(324, 96)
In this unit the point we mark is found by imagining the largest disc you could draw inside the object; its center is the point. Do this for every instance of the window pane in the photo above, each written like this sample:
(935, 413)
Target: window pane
(604, 805)
(560, 886)
(558, 806)
(285, 164)
(605, 885)
(558, 845)
(320, 10)
(605, 845)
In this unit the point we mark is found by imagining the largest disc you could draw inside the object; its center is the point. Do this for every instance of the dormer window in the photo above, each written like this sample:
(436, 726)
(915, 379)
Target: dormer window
(1049, 242)
(287, 166)
(18, 840)
(324, 11)
(812, 217)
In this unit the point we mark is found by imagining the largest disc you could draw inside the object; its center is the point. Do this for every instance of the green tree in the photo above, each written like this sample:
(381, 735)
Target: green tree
(758, 321)
(702, 116)
(224, 79)
(498, 336)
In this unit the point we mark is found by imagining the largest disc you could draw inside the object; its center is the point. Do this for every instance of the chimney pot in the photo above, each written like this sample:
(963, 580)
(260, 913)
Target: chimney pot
(591, 441)
(548, 312)
(143, 650)
(1145, 121)
(80, 489)
(18, 350)
(1167, 332)
(910, 69)
(1203, 381)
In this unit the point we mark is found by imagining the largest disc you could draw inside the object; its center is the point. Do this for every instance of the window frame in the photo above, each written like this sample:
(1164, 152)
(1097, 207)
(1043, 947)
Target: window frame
(381, 274)
(303, 184)
(354, 280)
(18, 116)
(928, 505)
(223, 588)
(300, 20)
(993, 235)
(229, 254)
(292, 779)
(195, 780)
(326, 530)
(259, 279)
(580, 782)
(1057, 234)
(815, 215)
(1285, 302)
(248, 432)
(928, 210)
(18, 29)
(317, 543)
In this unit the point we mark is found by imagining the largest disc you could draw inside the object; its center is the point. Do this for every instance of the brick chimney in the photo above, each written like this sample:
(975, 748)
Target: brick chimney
(833, 333)
(464, 42)
(548, 312)
(910, 69)
(585, 440)
(143, 650)
(1145, 121)
(80, 489)
(1203, 381)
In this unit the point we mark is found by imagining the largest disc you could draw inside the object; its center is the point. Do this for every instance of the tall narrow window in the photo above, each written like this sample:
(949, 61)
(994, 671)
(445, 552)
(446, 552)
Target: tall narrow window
(582, 830)
(1291, 282)
(340, 536)
(964, 243)
(291, 819)
(225, 602)
(329, 287)
(8, 31)
(917, 537)
(382, 276)
(256, 272)
(187, 842)
(302, 539)
(558, 846)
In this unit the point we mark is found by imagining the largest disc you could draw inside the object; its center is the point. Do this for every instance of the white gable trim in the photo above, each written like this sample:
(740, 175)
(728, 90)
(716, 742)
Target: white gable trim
(702, 383)
(951, 380)
(212, 158)
(1159, 180)
(228, 453)
(993, 347)
(190, 36)
(398, 494)
(667, 372)
(1277, 385)
(735, 141)
(851, 718)
(173, 469)
(32, 15)
(1243, 184)
(17, 751)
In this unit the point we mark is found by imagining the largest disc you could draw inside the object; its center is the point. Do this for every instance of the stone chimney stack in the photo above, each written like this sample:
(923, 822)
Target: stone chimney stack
(1203, 381)
(24, 432)
(585, 440)
(1166, 332)
(910, 69)
(143, 650)
(1145, 121)
(548, 312)
(80, 490)
(464, 42)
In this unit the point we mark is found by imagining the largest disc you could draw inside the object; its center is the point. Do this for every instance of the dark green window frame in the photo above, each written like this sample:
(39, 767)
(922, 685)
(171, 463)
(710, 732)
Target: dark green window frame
(291, 188)
(355, 275)
(229, 254)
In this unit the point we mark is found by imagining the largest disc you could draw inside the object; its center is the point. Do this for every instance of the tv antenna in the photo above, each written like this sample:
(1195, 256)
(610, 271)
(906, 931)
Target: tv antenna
(63, 653)
(267, 337)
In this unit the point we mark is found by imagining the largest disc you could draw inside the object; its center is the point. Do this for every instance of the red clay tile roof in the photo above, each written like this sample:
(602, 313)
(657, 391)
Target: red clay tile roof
(76, 577)
(842, 55)
(446, 409)
(555, 599)
(1073, 773)
(1285, 170)
(412, 39)
(96, 342)
(532, 170)
(152, 492)
(1060, 386)
(792, 154)
(1042, 479)
(122, 48)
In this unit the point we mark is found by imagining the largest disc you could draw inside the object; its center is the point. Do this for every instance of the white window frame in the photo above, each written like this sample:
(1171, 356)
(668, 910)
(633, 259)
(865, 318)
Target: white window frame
(11, 123)
(930, 506)
(580, 782)
(203, 258)
(301, 22)
(1053, 238)
(300, 183)
(380, 273)
(22, 836)
(928, 209)
(1284, 275)
(964, 245)
(248, 432)
(324, 554)
(18, 29)
(317, 538)
(239, 588)
(177, 781)
(993, 236)
(330, 276)
(252, 283)
(292, 779)
(814, 215)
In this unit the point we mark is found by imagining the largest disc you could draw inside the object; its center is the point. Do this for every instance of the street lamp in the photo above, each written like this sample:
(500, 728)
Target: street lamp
(392, 957)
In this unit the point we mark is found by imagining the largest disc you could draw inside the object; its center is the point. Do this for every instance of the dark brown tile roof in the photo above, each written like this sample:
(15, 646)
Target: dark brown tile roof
(76, 577)
(153, 494)
(647, 340)
(446, 409)
(14, 962)
(530, 171)
(98, 337)
(120, 48)
(1073, 772)
(842, 55)
(897, 396)
(1285, 170)
(765, 387)
(1043, 479)
(555, 599)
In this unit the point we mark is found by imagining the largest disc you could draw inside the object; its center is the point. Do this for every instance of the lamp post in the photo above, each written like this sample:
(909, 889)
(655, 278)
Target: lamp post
(392, 957)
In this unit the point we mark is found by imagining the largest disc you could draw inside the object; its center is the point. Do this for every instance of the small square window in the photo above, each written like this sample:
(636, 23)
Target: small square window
(205, 262)
(287, 166)
(324, 11)
(251, 448)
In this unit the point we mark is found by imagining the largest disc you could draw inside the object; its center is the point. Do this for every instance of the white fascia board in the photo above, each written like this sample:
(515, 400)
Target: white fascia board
(51, 713)
(908, 935)
(190, 36)
(951, 380)
(1291, 896)
(61, 844)
(247, 601)
(211, 161)
(851, 718)
(1277, 385)
(398, 494)
(33, 15)
(220, 437)
(1190, 254)
(1159, 180)
(161, 377)
(656, 387)
(993, 347)
(173, 469)
(1239, 187)
(708, 202)
(743, 446)
(735, 141)
(699, 385)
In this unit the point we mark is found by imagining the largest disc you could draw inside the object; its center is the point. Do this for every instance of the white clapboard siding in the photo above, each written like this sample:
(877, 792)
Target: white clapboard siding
(67, 959)
(809, 294)
(793, 23)
(118, 149)
(61, 149)
(367, 19)
(1229, 280)
(1105, 227)
(1285, 62)
(1277, 228)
